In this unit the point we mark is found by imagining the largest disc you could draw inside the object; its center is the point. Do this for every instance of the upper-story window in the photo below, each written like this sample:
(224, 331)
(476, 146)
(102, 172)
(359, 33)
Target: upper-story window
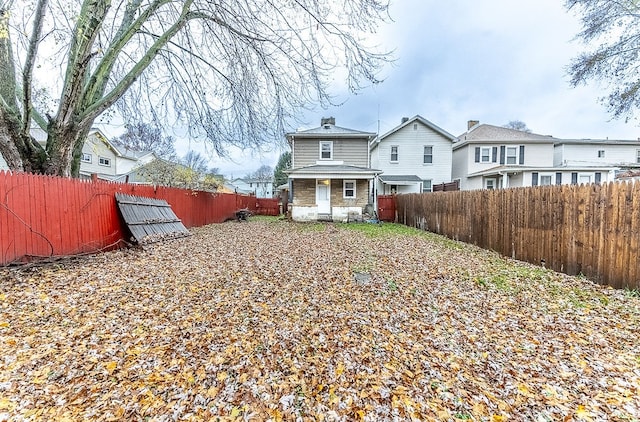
(394, 154)
(104, 161)
(512, 155)
(600, 153)
(86, 157)
(485, 155)
(326, 150)
(427, 154)
(638, 156)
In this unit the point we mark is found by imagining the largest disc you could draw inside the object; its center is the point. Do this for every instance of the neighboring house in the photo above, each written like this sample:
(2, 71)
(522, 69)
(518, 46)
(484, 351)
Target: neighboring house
(491, 157)
(3, 164)
(330, 173)
(106, 160)
(259, 187)
(413, 157)
(597, 152)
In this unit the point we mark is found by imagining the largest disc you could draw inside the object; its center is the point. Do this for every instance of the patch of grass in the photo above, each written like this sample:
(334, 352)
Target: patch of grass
(386, 230)
(631, 292)
(265, 218)
(393, 286)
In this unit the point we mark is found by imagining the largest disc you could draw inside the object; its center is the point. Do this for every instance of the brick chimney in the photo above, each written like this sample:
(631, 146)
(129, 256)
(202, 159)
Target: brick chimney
(328, 121)
(472, 123)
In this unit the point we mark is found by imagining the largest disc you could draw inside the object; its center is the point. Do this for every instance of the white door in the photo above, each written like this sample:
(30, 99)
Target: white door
(323, 196)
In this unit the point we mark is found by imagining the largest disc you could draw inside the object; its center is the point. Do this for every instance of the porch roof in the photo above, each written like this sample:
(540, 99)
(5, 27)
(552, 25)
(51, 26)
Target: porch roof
(400, 179)
(501, 170)
(333, 172)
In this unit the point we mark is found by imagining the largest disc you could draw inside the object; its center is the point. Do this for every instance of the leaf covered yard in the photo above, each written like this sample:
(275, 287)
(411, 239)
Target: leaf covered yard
(271, 320)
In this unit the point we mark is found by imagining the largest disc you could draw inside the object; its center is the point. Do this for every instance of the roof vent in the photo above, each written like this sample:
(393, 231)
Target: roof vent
(327, 126)
(405, 119)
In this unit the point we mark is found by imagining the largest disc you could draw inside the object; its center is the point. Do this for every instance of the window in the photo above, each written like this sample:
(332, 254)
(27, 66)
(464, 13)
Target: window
(558, 178)
(512, 155)
(638, 156)
(427, 155)
(534, 179)
(415, 126)
(490, 184)
(326, 150)
(86, 157)
(349, 190)
(394, 153)
(574, 178)
(601, 153)
(598, 177)
(426, 185)
(485, 155)
(545, 180)
(104, 161)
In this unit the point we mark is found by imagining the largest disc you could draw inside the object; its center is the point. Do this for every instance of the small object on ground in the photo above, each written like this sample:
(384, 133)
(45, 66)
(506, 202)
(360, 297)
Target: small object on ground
(243, 214)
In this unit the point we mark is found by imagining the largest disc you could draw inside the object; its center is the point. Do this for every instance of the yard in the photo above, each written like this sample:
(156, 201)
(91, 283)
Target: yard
(275, 320)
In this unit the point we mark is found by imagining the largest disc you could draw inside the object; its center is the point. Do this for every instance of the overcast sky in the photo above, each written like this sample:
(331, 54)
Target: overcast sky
(459, 60)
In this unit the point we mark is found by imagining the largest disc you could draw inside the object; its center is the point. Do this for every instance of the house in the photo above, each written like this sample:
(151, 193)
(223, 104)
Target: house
(491, 157)
(108, 161)
(597, 152)
(413, 157)
(261, 188)
(330, 173)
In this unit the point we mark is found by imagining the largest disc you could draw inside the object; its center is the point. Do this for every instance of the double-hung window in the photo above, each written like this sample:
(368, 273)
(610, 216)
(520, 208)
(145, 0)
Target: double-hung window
(349, 189)
(394, 154)
(326, 150)
(427, 154)
(485, 155)
(545, 179)
(512, 155)
(427, 185)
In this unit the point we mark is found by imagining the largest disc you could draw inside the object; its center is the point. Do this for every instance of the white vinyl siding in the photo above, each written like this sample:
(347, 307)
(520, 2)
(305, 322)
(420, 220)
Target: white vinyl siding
(353, 152)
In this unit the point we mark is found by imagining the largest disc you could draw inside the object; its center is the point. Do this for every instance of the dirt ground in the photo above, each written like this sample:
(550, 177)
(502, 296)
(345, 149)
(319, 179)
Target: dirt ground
(272, 320)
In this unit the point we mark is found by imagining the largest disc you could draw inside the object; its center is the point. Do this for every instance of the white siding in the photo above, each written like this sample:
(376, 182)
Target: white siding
(96, 148)
(587, 155)
(353, 152)
(460, 168)
(3, 164)
(535, 155)
(411, 143)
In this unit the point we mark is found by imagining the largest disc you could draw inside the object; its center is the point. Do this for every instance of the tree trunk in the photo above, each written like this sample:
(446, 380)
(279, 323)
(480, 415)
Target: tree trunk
(64, 149)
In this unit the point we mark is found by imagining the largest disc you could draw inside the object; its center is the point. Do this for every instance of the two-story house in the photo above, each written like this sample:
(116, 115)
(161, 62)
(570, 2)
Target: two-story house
(330, 173)
(597, 152)
(491, 157)
(261, 188)
(413, 157)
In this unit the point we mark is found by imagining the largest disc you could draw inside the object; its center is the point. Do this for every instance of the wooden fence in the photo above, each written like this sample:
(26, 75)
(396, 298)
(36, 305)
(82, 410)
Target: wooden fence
(592, 230)
(43, 216)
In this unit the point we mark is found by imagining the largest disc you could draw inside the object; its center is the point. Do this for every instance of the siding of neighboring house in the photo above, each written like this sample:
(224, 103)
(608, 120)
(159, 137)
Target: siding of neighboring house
(306, 152)
(3, 164)
(586, 153)
(535, 155)
(410, 141)
(93, 150)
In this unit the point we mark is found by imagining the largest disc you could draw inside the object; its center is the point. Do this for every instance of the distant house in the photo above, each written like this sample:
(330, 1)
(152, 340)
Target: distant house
(261, 188)
(492, 157)
(330, 173)
(597, 152)
(108, 161)
(413, 157)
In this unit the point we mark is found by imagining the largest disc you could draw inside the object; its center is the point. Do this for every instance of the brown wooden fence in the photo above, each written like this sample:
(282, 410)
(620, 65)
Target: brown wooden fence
(592, 230)
(43, 216)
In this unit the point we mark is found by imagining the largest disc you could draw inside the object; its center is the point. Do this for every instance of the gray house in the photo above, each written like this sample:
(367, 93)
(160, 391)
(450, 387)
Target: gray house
(330, 173)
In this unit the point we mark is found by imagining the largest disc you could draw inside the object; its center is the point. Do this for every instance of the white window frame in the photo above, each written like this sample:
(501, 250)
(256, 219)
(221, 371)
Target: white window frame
(511, 159)
(395, 148)
(601, 153)
(491, 183)
(86, 157)
(583, 176)
(547, 177)
(482, 150)
(322, 150)
(104, 161)
(346, 189)
(425, 155)
(427, 185)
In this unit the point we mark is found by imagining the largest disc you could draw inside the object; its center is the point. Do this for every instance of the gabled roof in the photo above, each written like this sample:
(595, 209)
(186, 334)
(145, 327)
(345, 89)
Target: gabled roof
(483, 133)
(329, 130)
(416, 118)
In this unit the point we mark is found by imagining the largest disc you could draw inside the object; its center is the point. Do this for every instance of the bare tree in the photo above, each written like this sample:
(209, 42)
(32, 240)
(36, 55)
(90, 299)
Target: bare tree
(146, 137)
(518, 125)
(230, 72)
(611, 34)
(195, 161)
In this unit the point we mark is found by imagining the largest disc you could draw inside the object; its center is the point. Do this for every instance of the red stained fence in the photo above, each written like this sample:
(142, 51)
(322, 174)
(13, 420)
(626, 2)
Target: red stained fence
(387, 208)
(42, 216)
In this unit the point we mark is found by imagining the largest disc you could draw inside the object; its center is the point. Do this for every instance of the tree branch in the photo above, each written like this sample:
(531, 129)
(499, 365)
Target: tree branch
(27, 72)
